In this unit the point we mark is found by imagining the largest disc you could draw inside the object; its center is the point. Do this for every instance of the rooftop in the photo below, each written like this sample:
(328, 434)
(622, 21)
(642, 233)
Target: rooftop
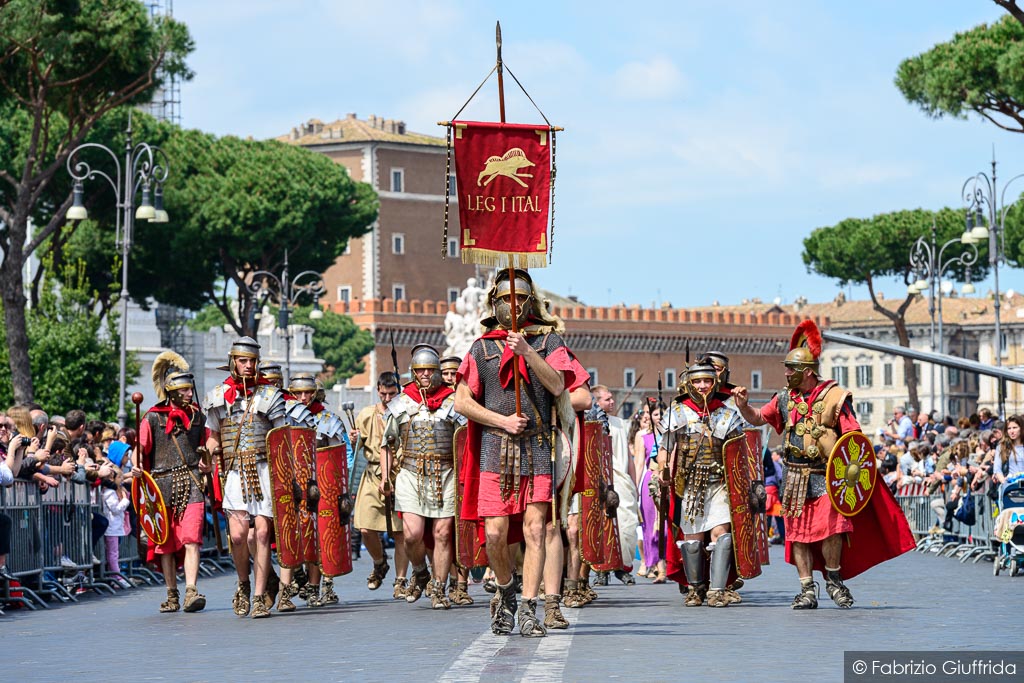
(957, 310)
(352, 129)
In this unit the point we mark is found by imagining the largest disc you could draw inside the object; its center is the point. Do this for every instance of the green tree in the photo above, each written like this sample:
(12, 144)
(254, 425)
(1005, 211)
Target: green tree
(980, 71)
(861, 250)
(235, 206)
(63, 65)
(74, 353)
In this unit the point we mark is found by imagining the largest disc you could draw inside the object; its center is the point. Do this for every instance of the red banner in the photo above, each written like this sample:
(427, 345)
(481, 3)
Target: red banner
(503, 171)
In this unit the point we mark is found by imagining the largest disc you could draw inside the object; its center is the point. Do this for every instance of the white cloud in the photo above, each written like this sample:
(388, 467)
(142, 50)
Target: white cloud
(657, 78)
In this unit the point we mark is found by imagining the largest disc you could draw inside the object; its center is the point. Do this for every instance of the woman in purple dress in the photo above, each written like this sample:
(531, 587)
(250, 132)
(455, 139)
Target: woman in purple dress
(645, 461)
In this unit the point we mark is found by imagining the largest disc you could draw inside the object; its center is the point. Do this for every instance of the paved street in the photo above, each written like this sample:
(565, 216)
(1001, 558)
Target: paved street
(639, 633)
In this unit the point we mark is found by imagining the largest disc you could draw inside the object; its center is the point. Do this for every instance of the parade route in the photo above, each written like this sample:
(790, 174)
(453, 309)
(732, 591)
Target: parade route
(639, 633)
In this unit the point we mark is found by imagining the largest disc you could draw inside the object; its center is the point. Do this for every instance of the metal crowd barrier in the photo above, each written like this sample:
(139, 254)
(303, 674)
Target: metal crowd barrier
(974, 542)
(52, 551)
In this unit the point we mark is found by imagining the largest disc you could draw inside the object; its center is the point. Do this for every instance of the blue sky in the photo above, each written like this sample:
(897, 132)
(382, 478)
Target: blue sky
(695, 130)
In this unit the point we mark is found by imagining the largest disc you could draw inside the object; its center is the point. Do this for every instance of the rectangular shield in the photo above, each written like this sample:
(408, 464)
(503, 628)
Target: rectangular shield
(599, 533)
(289, 493)
(743, 466)
(469, 552)
(334, 511)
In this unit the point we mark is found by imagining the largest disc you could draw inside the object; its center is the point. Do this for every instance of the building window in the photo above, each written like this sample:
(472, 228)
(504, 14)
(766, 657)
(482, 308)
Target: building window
(628, 408)
(398, 180)
(453, 294)
(670, 378)
(453, 188)
(887, 374)
(841, 375)
(864, 410)
(628, 377)
(755, 380)
(398, 243)
(954, 377)
(344, 293)
(453, 247)
(398, 292)
(1002, 343)
(954, 407)
(917, 372)
(593, 376)
(864, 376)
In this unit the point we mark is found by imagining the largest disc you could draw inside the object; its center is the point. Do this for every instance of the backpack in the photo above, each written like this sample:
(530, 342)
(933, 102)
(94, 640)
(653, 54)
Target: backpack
(964, 512)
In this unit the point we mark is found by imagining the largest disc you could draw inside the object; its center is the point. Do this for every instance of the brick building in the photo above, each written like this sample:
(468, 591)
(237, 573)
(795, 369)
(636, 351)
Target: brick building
(400, 257)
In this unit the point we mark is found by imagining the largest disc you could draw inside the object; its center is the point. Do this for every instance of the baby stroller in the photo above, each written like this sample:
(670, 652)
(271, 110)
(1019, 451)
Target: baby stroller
(1011, 549)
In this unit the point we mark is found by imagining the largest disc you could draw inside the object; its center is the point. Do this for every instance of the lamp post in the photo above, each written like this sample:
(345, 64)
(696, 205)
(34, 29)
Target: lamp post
(145, 167)
(288, 292)
(980, 193)
(926, 262)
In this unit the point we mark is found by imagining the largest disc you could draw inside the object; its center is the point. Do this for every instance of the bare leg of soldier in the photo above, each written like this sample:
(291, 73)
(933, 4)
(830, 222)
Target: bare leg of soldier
(503, 604)
(534, 523)
(572, 567)
(401, 557)
(413, 527)
(832, 550)
(194, 600)
(262, 563)
(167, 567)
(804, 561)
(171, 581)
(238, 528)
(442, 561)
(554, 564)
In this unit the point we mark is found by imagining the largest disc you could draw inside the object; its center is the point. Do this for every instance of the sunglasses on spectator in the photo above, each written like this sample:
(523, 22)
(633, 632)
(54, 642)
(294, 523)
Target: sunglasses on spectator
(7, 425)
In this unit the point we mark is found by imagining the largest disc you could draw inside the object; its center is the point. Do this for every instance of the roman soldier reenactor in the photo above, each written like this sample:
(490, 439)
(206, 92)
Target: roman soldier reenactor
(506, 466)
(458, 581)
(419, 435)
(814, 415)
(172, 439)
(240, 412)
(374, 513)
(697, 427)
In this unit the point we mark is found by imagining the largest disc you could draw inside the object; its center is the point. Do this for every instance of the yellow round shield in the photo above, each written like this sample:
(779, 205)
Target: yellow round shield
(851, 474)
(150, 508)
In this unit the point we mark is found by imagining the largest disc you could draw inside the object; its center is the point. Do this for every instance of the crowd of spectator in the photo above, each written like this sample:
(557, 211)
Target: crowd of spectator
(43, 450)
(946, 459)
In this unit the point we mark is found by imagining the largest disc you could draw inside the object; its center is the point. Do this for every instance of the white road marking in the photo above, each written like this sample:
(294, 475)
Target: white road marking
(546, 664)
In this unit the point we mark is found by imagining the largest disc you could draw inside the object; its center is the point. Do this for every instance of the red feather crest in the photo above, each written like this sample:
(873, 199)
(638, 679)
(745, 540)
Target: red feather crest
(807, 335)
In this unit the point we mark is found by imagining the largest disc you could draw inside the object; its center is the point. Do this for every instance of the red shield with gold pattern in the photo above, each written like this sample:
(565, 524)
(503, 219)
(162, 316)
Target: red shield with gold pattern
(599, 532)
(851, 474)
(469, 552)
(290, 454)
(150, 508)
(744, 467)
(334, 511)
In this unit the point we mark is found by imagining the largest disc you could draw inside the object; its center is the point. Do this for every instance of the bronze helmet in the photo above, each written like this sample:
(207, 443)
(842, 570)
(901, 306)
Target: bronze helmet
(499, 298)
(170, 374)
(243, 347)
(302, 381)
(425, 356)
(720, 361)
(272, 372)
(700, 370)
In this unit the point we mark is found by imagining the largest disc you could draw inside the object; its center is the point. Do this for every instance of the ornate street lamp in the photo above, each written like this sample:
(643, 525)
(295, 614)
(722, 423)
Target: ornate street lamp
(287, 293)
(980, 193)
(145, 168)
(928, 266)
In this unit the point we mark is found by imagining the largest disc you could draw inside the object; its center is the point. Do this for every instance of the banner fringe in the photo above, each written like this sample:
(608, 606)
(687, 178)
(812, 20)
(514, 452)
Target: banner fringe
(500, 259)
